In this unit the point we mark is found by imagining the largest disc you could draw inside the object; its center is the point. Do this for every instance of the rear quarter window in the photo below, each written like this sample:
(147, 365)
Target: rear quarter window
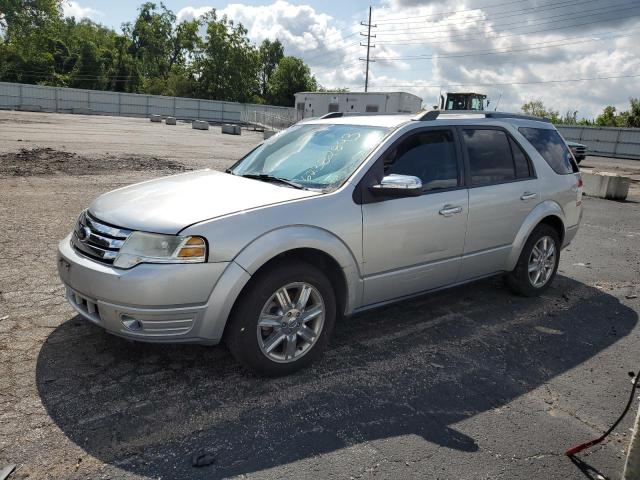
(552, 148)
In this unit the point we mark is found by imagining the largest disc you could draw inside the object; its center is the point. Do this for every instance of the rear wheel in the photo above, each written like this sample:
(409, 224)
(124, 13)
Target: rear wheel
(283, 320)
(538, 262)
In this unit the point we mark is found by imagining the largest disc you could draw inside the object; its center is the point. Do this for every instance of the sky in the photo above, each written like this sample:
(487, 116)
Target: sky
(514, 51)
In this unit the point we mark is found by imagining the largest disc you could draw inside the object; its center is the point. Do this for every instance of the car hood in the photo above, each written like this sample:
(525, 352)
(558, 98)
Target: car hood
(168, 205)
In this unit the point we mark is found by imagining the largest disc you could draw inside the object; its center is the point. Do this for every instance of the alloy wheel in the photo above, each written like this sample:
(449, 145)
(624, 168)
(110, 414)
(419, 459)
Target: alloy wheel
(542, 261)
(291, 322)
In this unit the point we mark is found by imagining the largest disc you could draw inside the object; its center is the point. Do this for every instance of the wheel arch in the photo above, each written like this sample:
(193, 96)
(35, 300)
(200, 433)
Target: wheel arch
(314, 245)
(547, 212)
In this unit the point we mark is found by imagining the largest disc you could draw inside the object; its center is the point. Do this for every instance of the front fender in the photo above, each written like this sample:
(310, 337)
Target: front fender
(548, 208)
(281, 240)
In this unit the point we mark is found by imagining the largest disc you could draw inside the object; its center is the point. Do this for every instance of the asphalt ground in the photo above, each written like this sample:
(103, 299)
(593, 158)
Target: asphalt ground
(470, 383)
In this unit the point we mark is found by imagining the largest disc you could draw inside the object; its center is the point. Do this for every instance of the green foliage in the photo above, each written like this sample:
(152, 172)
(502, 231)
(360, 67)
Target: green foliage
(270, 55)
(227, 67)
(630, 118)
(209, 57)
(608, 118)
(291, 76)
(538, 109)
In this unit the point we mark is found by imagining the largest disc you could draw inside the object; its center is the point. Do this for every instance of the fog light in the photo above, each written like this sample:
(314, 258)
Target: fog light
(131, 323)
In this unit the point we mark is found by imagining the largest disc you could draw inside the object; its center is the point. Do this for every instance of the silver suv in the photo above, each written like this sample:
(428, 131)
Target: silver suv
(331, 217)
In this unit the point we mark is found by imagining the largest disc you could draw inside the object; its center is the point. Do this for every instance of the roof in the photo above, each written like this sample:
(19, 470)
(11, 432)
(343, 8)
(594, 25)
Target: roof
(433, 117)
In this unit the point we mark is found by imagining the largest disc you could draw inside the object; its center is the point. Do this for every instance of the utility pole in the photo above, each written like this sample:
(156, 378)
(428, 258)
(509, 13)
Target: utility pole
(369, 47)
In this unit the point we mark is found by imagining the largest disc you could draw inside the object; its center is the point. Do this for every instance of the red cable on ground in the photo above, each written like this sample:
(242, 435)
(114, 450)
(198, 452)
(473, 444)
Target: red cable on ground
(578, 448)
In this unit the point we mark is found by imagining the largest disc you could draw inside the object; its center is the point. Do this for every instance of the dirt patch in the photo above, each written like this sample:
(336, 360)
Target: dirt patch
(48, 161)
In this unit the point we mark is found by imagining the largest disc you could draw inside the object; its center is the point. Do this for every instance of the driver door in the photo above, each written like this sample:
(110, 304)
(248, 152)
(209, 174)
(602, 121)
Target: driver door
(414, 244)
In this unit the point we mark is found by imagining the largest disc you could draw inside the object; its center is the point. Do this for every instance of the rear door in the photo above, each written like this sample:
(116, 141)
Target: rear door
(503, 189)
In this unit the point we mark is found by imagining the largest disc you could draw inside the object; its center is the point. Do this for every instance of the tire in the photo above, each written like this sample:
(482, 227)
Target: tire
(520, 280)
(263, 298)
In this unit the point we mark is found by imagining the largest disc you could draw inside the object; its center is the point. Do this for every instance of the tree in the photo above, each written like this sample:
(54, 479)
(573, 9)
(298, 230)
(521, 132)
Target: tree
(633, 118)
(227, 67)
(608, 117)
(291, 76)
(270, 55)
(538, 109)
(19, 15)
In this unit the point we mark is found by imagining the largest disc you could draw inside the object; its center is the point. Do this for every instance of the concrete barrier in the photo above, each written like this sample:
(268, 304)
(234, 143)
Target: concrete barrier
(231, 129)
(29, 108)
(200, 125)
(605, 185)
(170, 121)
(269, 134)
(156, 118)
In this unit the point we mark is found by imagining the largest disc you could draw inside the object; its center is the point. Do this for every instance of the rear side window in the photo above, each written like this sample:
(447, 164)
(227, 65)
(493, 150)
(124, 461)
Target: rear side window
(490, 159)
(552, 148)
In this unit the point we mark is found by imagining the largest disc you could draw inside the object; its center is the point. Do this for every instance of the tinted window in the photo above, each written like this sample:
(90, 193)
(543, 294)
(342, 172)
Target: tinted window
(552, 148)
(489, 156)
(430, 156)
(523, 169)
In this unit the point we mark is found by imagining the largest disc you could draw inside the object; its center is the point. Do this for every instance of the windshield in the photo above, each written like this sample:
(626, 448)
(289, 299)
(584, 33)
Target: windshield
(313, 156)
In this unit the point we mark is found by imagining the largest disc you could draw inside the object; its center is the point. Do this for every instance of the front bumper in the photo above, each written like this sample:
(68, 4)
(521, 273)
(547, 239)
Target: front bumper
(170, 302)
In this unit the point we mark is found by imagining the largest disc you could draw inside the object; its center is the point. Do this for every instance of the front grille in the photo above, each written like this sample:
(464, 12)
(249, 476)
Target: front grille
(580, 150)
(98, 240)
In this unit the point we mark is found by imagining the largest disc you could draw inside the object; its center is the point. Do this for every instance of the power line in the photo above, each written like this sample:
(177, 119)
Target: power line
(448, 39)
(495, 25)
(478, 53)
(507, 13)
(537, 82)
(580, 14)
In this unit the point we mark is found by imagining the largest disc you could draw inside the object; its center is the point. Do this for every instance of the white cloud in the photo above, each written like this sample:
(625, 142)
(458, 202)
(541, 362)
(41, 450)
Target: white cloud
(440, 30)
(74, 9)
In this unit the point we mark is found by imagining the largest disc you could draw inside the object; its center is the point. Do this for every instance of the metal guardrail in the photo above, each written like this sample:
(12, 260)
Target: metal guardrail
(270, 121)
(17, 96)
(605, 141)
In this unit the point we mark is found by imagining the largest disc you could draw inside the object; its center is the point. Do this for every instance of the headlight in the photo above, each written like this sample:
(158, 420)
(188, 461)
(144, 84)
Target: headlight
(142, 247)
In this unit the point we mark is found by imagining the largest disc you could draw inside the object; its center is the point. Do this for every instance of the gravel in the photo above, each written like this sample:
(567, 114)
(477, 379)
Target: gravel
(465, 384)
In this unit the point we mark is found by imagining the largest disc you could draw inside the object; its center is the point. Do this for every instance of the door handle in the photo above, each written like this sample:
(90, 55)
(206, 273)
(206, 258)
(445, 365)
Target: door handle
(449, 210)
(528, 196)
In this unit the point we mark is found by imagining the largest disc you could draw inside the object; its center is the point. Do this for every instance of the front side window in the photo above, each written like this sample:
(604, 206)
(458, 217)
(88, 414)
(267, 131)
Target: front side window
(428, 155)
(489, 154)
(552, 148)
(320, 156)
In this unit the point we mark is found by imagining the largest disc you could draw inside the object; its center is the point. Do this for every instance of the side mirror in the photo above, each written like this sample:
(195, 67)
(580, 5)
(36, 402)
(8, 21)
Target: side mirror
(398, 186)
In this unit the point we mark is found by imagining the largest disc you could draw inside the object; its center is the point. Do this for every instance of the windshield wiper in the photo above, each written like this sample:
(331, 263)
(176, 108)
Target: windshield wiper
(270, 178)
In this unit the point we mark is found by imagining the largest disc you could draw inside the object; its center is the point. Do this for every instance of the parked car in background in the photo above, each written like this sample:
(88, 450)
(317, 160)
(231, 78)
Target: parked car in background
(333, 216)
(579, 150)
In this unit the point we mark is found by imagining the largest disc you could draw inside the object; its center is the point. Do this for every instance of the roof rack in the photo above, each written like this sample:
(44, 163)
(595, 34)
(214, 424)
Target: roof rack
(356, 114)
(434, 114)
(332, 115)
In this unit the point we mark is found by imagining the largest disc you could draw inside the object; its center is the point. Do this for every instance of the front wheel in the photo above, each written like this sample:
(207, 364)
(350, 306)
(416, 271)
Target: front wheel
(538, 262)
(283, 320)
